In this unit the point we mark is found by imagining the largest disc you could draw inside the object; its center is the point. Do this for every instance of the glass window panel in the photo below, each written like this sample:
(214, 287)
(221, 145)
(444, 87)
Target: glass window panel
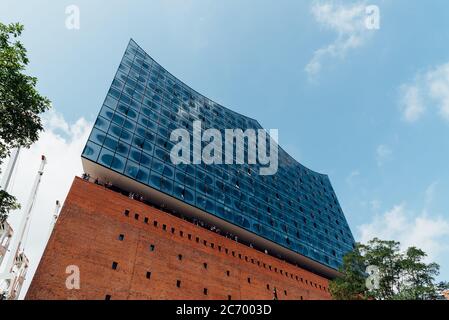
(118, 163)
(91, 151)
(107, 113)
(143, 174)
(102, 124)
(110, 143)
(122, 149)
(131, 169)
(106, 157)
(97, 136)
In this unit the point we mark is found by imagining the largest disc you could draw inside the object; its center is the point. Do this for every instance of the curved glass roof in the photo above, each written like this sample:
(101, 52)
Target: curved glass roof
(296, 208)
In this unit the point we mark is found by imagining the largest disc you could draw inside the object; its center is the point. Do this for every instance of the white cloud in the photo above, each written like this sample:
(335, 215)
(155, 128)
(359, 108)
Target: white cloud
(383, 154)
(429, 88)
(411, 103)
(430, 192)
(348, 22)
(352, 177)
(423, 231)
(438, 83)
(62, 144)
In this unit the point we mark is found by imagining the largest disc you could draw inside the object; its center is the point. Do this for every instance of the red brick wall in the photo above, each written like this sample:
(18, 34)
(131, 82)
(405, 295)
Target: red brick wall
(86, 235)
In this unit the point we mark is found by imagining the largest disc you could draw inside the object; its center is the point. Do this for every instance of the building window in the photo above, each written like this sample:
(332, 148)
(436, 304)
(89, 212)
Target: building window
(181, 233)
(205, 265)
(205, 291)
(155, 223)
(178, 283)
(179, 257)
(285, 292)
(268, 286)
(136, 216)
(229, 297)
(197, 239)
(148, 275)
(107, 297)
(164, 227)
(205, 242)
(212, 245)
(173, 230)
(126, 213)
(146, 220)
(152, 247)
(219, 248)
(249, 280)
(228, 273)
(121, 237)
(114, 265)
(226, 250)
(189, 236)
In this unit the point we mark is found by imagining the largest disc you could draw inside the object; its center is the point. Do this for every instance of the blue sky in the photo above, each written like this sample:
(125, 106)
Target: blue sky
(375, 116)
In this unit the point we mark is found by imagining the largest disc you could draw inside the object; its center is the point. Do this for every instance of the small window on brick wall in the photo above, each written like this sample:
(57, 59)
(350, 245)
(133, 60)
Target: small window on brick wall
(126, 213)
(107, 297)
(179, 257)
(178, 283)
(151, 247)
(114, 265)
(146, 220)
(121, 237)
(229, 297)
(249, 280)
(164, 227)
(205, 291)
(228, 273)
(155, 223)
(136, 216)
(148, 275)
(205, 265)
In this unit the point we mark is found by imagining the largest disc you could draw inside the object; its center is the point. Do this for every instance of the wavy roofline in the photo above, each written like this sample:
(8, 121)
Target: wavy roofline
(226, 108)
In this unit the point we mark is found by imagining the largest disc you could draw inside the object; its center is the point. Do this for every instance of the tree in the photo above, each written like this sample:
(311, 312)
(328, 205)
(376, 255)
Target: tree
(20, 102)
(351, 286)
(401, 275)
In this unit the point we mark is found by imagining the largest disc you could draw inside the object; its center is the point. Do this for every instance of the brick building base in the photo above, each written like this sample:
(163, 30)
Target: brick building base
(156, 256)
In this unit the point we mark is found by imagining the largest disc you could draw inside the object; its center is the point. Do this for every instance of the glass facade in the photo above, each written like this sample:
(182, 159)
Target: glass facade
(295, 208)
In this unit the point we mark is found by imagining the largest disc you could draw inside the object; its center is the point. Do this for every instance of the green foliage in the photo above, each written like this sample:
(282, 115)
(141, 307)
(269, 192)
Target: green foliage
(7, 204)
(20, 102)
(402, 275)
(352, 284)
